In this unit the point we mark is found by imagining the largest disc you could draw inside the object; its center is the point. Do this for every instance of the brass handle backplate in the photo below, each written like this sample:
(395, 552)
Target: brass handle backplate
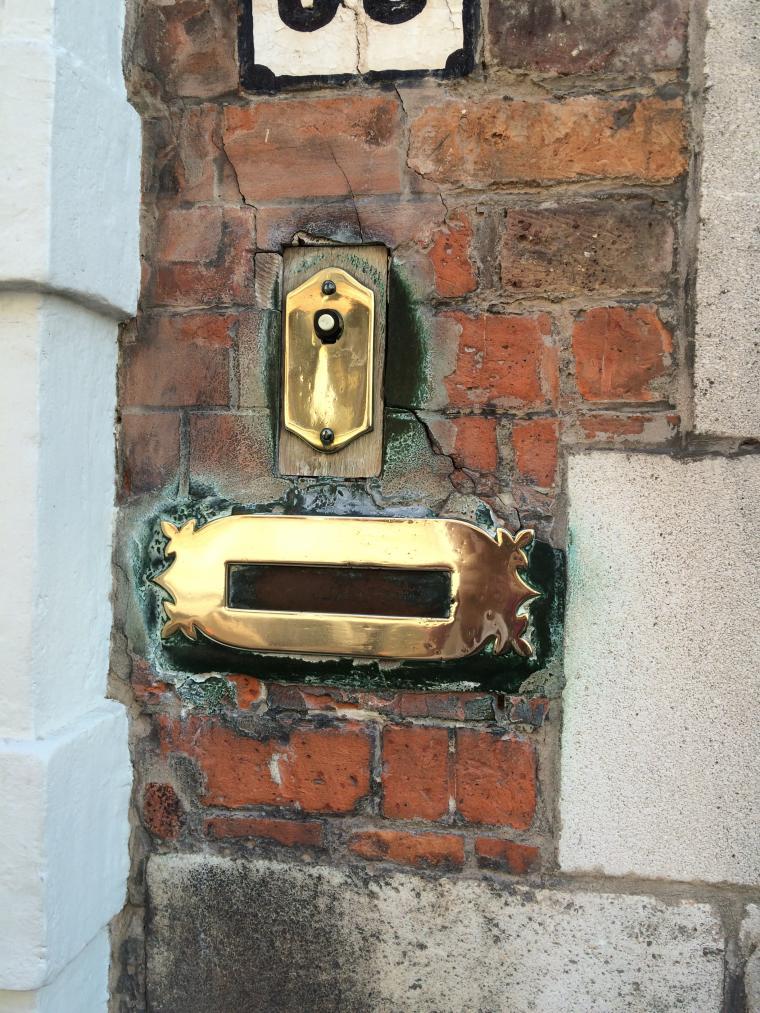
(328, 396)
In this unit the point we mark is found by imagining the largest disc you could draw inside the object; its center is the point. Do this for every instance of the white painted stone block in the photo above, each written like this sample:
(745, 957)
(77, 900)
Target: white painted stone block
(58, 392)
(69, 202)
(69, 178)
(19, 446)
(92, 32)
(727, 366)
(27, 76)
(63, 840)
(26, 19)
(95, 181)
(81, 987)
(230, 935)
(661, 729)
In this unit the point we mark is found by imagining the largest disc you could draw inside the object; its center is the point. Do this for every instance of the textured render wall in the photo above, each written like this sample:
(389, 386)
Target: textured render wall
(727, 371)
(540, 219)
(662, 659)
(68, 272)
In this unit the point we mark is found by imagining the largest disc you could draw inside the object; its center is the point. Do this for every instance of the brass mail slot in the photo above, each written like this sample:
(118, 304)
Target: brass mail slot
(240, 581)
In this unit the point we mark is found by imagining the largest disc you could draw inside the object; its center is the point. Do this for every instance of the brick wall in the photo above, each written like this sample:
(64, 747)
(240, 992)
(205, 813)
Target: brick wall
(533, 210)
(431, 780)
(535, 216)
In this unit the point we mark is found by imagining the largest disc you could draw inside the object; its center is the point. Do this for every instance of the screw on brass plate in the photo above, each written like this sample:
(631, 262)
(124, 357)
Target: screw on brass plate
(328, 287)
(327, 436)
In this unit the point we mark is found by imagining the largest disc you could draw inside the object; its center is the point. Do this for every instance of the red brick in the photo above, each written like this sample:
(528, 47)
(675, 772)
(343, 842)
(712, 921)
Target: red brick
(624, 429)
(507, 856)
(535, 443)
(415, 772)
(495, 778)
(587, 36)
(528, 710)
(186, 146)
(248, 690)
(307, 834)
(613, 425)
(406, 703)
(503, 362)
(586, 248)
(390, 220)
(451, 255)
(163, 813)
(315, 147)
(423, 851)
(149, 451)
(288, 697)
(446, 706)
(475, 445)
(315, 770)
(145, 686)
(178, 360)
(230, 450)
(225, 278)
(189, 47)
(619, 353)
(470, 143)
(188, 235)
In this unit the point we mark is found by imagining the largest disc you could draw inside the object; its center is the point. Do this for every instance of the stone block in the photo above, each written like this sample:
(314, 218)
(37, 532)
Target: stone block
(63, 839)
(749, 944)
(57, 396)
(226, 935)
(81, 987)
(661, 728)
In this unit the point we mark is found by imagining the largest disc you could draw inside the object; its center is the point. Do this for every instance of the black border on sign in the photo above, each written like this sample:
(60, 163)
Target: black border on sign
(256, 77)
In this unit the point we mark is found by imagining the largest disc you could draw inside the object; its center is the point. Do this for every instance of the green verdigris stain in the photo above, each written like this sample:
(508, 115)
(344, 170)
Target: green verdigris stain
(324, 258)
(273, 370)
(407, 344)
(210, 694)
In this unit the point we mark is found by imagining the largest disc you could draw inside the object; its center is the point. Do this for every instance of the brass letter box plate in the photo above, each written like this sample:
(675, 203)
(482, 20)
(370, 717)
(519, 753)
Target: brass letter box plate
(446, 587)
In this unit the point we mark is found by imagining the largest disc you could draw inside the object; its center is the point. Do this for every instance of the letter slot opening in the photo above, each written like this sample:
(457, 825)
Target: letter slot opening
(340, 590)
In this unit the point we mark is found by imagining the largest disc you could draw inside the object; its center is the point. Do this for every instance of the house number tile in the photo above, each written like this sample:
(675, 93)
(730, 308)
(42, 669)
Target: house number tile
(284, 42)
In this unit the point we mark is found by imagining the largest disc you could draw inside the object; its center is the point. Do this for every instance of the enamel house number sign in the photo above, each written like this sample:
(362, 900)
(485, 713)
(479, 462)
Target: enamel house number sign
(288, 41)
